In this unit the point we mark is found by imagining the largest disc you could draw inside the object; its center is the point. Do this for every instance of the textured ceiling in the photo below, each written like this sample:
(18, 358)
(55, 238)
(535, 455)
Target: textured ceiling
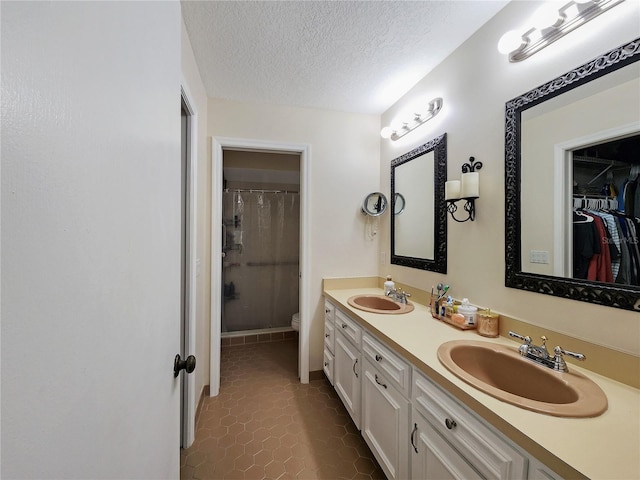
(358, 56)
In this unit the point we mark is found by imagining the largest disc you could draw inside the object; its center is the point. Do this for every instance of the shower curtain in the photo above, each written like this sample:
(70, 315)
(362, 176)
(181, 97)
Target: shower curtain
(260, 267)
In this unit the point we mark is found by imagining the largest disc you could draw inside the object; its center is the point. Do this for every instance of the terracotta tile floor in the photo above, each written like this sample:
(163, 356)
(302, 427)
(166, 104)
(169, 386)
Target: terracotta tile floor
(265, 424)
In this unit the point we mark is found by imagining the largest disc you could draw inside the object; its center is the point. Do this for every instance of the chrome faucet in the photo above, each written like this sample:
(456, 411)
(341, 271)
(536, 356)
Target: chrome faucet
(540, 354)
(398, 295)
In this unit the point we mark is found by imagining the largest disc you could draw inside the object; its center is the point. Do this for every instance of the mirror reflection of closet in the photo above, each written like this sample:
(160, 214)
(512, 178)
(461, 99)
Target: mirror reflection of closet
(603, 243)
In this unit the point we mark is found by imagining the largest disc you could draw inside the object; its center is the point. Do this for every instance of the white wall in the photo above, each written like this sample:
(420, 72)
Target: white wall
(90, 239)
(344, 168)
(475, 82)
(193, 82)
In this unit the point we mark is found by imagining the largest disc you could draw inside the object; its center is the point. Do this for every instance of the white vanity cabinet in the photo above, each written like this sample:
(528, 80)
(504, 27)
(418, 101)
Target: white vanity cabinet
(329, 340)
(538, 471)
(432, 457)
(448, 441)
(385, 407)
(347, 366)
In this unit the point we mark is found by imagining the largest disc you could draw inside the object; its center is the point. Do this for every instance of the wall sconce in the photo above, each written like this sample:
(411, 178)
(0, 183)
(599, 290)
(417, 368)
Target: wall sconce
(399, 129)
(467, 189)
(550, 23)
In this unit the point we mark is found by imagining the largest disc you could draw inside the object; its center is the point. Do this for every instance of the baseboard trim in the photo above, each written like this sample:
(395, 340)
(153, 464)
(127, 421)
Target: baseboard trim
(203, 393)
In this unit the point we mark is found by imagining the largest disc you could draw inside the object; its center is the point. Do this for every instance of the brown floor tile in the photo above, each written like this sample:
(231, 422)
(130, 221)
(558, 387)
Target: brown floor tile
(265, 424)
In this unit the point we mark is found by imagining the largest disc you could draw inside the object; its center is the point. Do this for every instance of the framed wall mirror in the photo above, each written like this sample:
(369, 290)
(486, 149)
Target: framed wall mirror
(419, 214)
(571, 176)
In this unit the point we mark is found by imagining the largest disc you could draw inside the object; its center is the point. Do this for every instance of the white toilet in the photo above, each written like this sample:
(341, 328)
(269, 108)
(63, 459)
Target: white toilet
(295, 321)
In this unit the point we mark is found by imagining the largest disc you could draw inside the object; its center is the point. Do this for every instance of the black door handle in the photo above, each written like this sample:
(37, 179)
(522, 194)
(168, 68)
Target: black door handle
(189, 364)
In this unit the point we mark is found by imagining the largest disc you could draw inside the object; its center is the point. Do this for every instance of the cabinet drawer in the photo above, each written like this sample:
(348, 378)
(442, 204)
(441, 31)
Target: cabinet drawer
(390, 364)
(327, 365)
(329, 310)
(348, 327)
(472, 437)
(329, 336)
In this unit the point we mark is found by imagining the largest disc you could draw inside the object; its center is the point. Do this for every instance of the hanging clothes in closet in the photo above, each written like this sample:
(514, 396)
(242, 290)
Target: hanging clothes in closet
(629, 194)
(606, 245)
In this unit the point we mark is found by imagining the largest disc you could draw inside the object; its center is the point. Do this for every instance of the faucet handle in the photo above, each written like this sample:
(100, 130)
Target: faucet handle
(526, 339)
(577, 356)
(558, 361)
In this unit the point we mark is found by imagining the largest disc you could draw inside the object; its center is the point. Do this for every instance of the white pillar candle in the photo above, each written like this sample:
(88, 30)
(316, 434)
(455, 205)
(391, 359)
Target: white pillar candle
(452, 190)
(470, 186)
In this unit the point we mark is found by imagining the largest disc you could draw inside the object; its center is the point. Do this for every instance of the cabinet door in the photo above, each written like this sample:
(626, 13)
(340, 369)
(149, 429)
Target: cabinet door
(432, 457)
(346, 376)
(385, 422)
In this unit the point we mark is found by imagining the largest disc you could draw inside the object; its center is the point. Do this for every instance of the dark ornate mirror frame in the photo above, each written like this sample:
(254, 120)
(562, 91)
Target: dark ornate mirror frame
(439, 263)
(613, 295)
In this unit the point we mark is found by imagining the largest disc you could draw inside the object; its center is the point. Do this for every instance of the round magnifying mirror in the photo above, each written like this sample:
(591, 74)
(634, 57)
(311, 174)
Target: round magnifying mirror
(375, 204)
(398, 203)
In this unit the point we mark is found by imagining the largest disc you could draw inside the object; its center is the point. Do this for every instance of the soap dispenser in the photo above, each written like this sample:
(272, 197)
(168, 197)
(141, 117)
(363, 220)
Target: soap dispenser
(389, 285)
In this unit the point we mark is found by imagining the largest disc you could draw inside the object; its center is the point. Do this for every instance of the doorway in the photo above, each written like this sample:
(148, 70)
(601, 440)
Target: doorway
(219, 145)
(260, 241)
(187, 264)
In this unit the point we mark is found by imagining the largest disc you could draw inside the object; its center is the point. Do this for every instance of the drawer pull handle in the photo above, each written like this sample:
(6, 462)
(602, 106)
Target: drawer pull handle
(450, 424)
(354, 368)
(326, 364)
(327, 335)
(326, 310)
(378, 381)
(344, 325)
(378, 357)
(413, 433)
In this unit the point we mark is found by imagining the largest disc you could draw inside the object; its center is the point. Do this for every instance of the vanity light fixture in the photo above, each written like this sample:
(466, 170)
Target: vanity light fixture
(549, 24)
(467, 189)
(402, 127)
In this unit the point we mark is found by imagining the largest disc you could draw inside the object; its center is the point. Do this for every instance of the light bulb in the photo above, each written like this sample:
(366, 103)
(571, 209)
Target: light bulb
(386, 132)
(510, 41)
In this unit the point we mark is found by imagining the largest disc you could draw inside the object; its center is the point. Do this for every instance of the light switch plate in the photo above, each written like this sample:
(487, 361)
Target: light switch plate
(539, 256)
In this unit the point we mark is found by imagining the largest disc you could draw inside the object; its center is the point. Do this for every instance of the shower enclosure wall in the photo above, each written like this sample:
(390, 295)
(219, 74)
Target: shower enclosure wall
(260, 267)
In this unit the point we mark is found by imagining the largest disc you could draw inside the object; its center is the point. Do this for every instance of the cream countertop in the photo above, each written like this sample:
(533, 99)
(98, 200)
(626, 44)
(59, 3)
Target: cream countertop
(604, 447)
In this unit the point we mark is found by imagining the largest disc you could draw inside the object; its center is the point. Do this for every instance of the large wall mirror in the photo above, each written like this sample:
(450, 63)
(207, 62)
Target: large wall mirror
(572, 164)
(419, 215)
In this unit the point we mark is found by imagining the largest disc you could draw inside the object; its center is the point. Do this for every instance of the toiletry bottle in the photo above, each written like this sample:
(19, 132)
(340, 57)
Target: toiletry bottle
(470, 312)
(389, 285)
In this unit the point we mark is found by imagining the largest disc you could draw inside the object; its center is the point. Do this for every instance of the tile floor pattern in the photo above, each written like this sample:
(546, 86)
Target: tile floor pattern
(264, 424)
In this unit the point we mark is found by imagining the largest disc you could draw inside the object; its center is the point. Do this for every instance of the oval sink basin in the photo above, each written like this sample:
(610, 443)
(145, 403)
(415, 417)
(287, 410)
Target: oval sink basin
(501, 372)
(379, 304)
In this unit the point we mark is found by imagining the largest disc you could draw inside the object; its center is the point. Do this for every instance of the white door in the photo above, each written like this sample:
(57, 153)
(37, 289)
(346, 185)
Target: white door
(90, 239)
